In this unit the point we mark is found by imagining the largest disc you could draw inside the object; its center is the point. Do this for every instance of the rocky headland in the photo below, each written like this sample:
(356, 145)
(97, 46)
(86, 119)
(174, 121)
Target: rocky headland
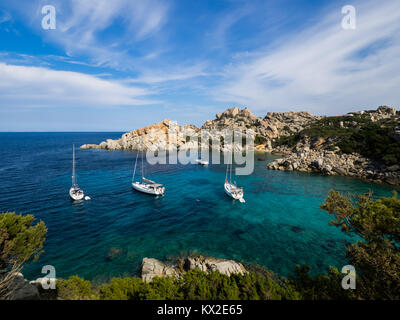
(364, 144)
(169, 136)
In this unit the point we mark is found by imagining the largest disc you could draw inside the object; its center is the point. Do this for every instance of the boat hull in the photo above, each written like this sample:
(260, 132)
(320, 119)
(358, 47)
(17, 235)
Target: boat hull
(202, 162)
(76, 194)
(143, 187)
(228, 190)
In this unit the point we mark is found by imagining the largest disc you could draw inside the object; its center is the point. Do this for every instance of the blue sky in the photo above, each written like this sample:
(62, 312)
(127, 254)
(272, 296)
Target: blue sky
(123, 64)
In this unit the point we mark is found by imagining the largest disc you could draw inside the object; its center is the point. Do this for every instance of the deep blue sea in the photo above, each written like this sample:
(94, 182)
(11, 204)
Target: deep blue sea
(279, 226)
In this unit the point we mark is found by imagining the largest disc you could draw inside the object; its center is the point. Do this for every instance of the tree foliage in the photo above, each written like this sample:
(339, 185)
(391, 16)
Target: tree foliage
(193, 285)
(376, 256)
(20, 241)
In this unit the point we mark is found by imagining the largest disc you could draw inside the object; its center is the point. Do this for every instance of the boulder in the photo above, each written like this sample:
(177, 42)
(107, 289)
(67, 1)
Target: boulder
(23, 290)
(152, 268)
(226, 267)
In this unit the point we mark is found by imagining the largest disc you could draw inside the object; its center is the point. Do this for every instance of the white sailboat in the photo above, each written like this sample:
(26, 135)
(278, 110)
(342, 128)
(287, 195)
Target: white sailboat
(232, 189)
(201, 161)
(145, 185)
(75, 192)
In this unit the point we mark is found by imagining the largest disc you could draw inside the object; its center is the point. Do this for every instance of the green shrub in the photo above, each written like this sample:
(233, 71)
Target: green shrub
(374, 140)
(75, 288)
(259, 140)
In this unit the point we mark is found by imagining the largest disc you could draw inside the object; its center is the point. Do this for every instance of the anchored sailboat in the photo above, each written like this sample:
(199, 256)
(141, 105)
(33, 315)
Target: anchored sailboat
(201, 161)
(146, 185)
(75, 192)
(232, 189)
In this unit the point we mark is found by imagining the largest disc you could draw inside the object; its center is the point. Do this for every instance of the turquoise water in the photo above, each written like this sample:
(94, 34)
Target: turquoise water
(279, 226)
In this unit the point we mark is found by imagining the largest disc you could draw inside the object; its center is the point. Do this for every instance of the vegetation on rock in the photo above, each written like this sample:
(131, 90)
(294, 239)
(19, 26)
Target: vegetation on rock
(20, 241)
(357, 133)
(376, 256)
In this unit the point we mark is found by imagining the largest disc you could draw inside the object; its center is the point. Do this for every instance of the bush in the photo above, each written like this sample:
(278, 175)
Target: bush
(75, 288)
(374, 140)
(20, 241)
(259, 140)
(376, 257)
(193, 285)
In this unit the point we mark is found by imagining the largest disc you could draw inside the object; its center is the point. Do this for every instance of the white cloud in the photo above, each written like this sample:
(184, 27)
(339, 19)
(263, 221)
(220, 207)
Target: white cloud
(324, 69)
(5, 17)
(42, 87)
(81, 26)
(175, 74)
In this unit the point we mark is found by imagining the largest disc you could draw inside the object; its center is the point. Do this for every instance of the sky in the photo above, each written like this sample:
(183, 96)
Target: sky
(124, 64)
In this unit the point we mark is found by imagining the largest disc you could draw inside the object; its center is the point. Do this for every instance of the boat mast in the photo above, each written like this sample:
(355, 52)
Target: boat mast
(73, 166)
(142, 160)
(134, 170)
(230, 173)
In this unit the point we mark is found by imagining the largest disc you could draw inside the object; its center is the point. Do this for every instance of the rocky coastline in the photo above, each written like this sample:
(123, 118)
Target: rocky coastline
(323, 156)
(167, 135)
(333, 164)
(22, 289)
(319, 155)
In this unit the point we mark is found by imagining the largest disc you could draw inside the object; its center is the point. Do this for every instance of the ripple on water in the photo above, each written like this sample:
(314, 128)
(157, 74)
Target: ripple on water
(279, 226)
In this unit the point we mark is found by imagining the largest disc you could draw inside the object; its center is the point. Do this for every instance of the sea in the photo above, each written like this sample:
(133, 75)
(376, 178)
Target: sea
(280, 225)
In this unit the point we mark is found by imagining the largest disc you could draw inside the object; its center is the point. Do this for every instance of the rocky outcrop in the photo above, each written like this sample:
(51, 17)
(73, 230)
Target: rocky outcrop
(168, 135)
(272, 126)
(332, 163)
(21, 289)
(210, 264)
(323, 154)
(383, 112)
(152, 268)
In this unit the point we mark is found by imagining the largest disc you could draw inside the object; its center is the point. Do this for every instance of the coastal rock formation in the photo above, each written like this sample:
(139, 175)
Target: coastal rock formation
(313, 152)
(168, 135)
(296, 135)
(152, 268)
(383, 112)
(331, 163)
(208, 265)
(22, 289)
(273, 125)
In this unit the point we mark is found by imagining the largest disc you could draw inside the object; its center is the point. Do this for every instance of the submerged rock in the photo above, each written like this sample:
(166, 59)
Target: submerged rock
(297, 229)
(113, 253)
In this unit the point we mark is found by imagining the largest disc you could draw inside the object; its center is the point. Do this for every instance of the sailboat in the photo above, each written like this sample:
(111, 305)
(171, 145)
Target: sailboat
(232, 189)
(75, 192)
(201, 161)
(146, 185)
